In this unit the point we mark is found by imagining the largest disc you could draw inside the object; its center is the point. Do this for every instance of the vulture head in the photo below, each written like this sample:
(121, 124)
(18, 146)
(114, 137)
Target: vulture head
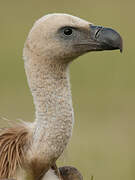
(63, 37)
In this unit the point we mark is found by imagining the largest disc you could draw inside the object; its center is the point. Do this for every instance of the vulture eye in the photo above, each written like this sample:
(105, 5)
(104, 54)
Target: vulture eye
(68, 31)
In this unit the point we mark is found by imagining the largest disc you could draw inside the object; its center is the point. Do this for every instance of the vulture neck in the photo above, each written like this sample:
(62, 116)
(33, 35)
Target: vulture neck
(50, 87)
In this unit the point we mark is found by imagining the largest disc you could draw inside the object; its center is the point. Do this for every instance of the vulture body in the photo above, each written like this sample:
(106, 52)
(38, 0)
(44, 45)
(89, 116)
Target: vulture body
(30, 150)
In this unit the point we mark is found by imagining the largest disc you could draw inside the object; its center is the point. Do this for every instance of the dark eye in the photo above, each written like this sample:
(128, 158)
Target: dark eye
(68, 31)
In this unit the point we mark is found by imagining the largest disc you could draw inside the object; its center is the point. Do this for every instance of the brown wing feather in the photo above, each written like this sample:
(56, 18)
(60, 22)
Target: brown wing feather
(12, 143)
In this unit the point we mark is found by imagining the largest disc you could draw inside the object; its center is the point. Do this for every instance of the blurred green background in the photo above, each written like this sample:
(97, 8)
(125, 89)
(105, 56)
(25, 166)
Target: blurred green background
(103, 84)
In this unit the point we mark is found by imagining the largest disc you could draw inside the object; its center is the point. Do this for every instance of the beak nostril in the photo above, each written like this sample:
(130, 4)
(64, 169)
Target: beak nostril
(97, 32)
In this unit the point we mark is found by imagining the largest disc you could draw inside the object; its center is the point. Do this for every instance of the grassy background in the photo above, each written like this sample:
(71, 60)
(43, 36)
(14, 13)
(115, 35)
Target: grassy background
(103, 85)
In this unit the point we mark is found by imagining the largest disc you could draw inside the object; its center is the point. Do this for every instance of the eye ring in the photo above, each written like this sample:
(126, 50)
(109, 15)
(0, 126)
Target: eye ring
(68, 31)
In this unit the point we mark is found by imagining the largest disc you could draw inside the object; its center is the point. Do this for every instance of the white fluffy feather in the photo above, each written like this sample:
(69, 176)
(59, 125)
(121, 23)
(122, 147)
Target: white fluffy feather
(50, 175)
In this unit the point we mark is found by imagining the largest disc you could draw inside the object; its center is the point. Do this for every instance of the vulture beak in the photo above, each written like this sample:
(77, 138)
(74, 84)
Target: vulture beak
(105, 38)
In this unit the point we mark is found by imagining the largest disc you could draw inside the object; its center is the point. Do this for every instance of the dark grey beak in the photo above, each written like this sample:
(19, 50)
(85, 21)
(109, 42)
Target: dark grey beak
(105, 38)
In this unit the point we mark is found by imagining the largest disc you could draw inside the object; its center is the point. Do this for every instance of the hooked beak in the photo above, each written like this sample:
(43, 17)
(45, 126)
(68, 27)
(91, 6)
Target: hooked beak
(105, 38)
